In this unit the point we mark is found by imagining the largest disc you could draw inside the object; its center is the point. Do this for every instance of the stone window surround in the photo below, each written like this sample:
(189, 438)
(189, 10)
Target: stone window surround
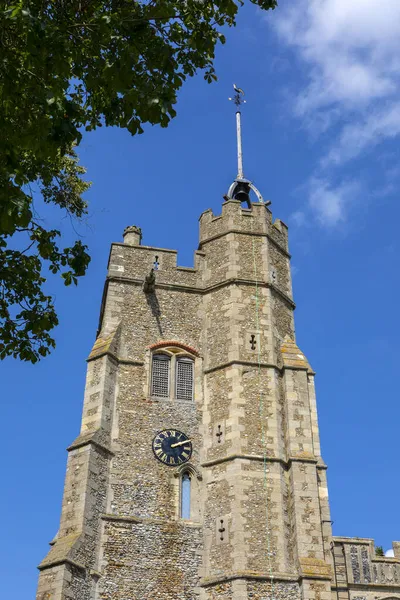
(195, 479)
(174, 353)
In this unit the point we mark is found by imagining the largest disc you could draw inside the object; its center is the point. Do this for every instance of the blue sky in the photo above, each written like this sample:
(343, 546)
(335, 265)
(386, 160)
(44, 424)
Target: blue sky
(320, 136)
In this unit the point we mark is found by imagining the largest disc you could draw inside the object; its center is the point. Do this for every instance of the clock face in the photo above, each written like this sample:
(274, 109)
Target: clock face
(172, 447)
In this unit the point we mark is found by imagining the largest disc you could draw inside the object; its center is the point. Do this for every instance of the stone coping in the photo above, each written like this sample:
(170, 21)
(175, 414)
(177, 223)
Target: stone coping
(86, 439)
(62, 561)
(375, 586)
(141, 247)
(352, 540)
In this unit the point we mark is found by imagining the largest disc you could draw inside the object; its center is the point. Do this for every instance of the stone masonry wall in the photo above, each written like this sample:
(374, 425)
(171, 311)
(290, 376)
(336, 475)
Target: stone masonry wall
(259, 526)
(357, 568)
(142, 528)
(243, 397)
(151, 560)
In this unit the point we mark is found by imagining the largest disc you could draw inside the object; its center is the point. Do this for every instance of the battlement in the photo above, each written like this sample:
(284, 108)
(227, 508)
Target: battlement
(356, 563)
(234, 218)
(134, 262)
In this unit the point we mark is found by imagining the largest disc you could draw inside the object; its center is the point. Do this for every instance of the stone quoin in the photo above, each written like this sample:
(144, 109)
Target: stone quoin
(255, 471)
(197, 473)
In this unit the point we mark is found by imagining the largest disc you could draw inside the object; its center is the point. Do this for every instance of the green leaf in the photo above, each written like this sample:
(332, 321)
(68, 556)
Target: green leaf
(72, 70)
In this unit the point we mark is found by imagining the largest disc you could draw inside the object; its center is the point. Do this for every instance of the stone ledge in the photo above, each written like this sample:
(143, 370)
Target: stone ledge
(205, 290)
(315, 568)
(63, 561)
(293, 357)
(58, 553)
(115, 358)
(246, 363)
(374, 586)
(149, 520)
(85, 439)
(303, 457)
(258, 575)
(230, 457)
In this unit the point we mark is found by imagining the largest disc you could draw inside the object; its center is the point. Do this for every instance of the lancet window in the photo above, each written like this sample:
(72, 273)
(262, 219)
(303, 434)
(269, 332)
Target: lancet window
(186, 484)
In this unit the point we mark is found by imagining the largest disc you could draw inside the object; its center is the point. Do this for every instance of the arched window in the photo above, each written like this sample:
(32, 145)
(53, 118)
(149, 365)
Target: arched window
(186, 485)
(160, 375)
(172, 375)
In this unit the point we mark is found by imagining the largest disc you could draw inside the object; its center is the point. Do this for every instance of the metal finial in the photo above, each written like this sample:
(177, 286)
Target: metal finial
(240, 188)
(238, 100)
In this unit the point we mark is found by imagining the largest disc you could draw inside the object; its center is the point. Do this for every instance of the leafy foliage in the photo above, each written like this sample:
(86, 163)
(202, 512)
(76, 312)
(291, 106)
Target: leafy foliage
(67, 66)
(379, 551)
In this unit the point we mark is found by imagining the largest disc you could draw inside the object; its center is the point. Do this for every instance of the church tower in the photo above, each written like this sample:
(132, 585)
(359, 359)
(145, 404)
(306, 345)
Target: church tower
(197, 473)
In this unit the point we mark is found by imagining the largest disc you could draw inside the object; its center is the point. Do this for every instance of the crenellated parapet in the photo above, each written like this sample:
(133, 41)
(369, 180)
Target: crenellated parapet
(209, 351)
(255, 220)
(361, 574)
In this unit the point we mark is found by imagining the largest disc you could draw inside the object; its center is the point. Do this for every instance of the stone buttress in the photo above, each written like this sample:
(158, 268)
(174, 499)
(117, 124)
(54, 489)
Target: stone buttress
(259, 526)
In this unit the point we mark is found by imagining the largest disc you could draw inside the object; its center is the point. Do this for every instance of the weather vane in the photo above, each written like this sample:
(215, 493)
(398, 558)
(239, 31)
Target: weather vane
(241, 187)
(237, 98)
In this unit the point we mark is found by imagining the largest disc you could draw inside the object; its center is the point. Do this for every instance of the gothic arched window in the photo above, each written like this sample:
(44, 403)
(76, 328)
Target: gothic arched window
(186, 484)
(188, 480)
(172, 376)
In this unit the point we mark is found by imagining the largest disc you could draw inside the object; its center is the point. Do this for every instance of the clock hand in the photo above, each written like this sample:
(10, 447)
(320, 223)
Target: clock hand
(180, 443)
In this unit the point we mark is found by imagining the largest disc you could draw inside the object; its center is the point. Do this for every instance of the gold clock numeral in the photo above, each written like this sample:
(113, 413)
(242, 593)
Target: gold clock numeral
(163, 457)
(173, 433)
(185, 456)
(172, 460)
(158, 451)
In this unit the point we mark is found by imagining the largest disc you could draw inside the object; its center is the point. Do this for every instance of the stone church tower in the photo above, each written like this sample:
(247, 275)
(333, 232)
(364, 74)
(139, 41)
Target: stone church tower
(197, 474)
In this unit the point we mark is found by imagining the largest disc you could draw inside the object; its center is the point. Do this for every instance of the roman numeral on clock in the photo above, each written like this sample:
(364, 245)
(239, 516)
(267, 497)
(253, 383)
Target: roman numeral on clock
(172, 447)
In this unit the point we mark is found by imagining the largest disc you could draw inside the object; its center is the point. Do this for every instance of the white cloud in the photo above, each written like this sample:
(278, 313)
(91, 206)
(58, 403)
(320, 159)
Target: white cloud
(351, 48)
(389, 553)
(356, 137)
(351, 53)
(329, 203)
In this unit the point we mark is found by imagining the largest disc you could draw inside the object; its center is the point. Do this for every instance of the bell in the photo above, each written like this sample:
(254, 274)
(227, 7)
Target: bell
(242, 192)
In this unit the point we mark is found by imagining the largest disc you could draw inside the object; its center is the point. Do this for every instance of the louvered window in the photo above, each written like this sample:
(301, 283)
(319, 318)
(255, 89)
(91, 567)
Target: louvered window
(160, 376)
(184, 379)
